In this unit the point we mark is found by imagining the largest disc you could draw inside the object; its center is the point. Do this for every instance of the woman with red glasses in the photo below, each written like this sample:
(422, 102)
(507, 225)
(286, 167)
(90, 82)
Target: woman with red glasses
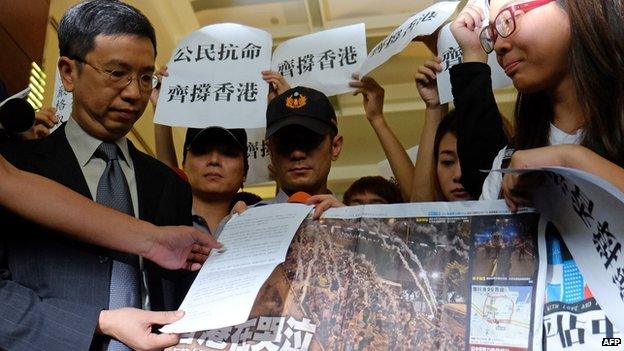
(566, 58)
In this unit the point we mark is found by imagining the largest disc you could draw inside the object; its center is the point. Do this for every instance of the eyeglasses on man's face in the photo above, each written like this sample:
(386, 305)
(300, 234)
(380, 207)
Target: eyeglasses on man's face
(121, 78)
(505, 23)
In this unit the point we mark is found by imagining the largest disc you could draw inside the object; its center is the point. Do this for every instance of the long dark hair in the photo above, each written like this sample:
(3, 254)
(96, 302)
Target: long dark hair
(596, 62)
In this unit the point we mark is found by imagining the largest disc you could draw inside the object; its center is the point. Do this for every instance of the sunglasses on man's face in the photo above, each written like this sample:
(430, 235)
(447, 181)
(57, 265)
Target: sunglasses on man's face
(291, 138)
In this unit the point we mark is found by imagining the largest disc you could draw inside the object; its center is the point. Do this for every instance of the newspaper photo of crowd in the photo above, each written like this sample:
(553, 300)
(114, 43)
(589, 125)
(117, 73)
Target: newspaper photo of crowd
(505, 246)
(379, 284)
(367, 288)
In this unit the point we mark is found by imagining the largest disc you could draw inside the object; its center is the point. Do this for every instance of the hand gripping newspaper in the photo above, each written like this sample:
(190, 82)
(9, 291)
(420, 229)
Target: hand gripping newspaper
(435, 276)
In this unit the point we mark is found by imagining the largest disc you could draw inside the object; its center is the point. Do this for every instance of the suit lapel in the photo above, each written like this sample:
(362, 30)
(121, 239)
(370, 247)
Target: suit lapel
(147, 190)
(56, 160)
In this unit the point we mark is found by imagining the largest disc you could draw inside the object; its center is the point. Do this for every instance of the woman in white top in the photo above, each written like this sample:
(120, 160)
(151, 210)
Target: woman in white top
(566, 58)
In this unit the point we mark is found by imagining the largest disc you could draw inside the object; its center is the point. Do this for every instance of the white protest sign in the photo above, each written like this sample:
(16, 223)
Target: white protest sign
(62, 101)
(215, 79)
(258, 157)
(451, 54)
(384, 169)
(423, 23)
(323, 61)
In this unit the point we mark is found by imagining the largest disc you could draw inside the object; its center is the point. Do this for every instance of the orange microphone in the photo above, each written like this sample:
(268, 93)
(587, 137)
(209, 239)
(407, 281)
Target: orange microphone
(299, 197)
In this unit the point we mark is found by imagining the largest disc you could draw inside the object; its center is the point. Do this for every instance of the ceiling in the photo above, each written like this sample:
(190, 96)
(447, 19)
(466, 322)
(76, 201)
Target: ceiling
(285, 19)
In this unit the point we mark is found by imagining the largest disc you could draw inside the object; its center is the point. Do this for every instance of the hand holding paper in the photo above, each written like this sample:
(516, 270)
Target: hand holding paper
(466, 29)
(451, 54)
(426, 82)
(372, 96)
(226, 286)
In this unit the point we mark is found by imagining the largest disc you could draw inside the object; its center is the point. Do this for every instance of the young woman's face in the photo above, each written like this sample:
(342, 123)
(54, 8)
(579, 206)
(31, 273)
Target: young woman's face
(449, 171)
(535, 55)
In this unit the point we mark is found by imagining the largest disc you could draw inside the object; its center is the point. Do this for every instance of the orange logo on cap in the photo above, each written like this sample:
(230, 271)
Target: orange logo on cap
(296, 100)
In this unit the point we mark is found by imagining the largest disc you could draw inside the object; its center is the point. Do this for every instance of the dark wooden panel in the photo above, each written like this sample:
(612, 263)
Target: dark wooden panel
(14, 64)
(26, 23)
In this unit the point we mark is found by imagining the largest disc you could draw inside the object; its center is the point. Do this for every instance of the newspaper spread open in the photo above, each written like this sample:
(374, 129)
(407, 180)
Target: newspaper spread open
(447, 276)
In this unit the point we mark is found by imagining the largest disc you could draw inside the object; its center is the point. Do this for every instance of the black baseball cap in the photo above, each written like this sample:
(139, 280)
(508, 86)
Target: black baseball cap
(196, 138)
(302, 106)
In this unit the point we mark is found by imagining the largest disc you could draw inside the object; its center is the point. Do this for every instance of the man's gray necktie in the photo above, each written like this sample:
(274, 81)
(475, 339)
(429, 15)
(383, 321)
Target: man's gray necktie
(113, 191)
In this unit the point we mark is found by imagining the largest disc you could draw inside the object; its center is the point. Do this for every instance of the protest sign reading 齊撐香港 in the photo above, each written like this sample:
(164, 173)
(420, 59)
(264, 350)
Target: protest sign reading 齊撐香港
(214, 73)
(324, 61)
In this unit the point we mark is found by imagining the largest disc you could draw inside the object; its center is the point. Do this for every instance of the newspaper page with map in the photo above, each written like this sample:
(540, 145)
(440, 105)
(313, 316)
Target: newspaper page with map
(446, 276)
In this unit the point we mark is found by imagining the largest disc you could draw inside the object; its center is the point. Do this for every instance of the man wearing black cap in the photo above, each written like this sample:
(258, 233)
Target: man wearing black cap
(303, 140)
(215, 162)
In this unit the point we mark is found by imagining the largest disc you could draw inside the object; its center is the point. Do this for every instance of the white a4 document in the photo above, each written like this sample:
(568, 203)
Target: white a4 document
(225, 289)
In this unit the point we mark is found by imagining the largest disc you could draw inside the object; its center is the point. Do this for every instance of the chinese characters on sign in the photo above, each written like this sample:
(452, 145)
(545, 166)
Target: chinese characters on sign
(203, 92)
(605, 243)
(423, 23)
(257, 149)
(402, 31)
(217, 52)
(258, 156)
(324, 60)
(328, 59)
(62, 101)
(451, 55)
(587, 212)
(215, 79)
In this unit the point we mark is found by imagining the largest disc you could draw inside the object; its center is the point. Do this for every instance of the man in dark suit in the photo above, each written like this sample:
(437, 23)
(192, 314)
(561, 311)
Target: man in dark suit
(57, 293)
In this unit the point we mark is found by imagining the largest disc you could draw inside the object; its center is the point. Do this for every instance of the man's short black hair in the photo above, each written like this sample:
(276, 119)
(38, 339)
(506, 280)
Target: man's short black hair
(377, 185)
(88, 19)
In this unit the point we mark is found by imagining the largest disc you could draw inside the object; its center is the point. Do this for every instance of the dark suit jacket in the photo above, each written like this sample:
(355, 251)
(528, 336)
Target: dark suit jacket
(52, 288)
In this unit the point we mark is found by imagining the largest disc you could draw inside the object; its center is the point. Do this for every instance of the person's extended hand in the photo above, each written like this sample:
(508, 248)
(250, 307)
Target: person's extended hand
(133, 327)
(160, 73)
(426, 82)
(277, 83)
(180, 247)
(517, 187)
(45, 119)
(466, 29)
(372, 96)
(322, 203)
